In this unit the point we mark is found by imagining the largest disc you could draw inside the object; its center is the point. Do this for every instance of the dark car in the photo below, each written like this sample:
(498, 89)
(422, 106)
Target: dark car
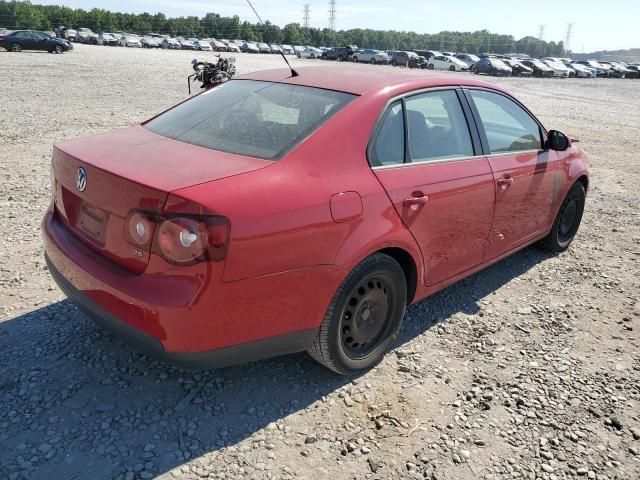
(491, 66)
(18, 40)
(427, 54)
(539, 68)
(408, 59)
(339, 53)
(517, 68)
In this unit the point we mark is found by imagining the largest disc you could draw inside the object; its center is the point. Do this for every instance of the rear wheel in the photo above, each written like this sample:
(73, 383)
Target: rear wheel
(394, 63)
(431, 66)
(355, 59)
(364, 316)
(339, 58)
(567, 221)
(16, 47)
(59, 49)
(452, 68)
(372, 61)
(312, 56)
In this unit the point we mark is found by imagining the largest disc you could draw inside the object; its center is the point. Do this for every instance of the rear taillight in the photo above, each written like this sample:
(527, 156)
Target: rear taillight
(183, 235)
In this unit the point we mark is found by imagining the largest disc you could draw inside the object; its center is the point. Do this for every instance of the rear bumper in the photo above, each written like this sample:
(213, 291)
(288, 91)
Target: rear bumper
(188, 315)
(221, 357)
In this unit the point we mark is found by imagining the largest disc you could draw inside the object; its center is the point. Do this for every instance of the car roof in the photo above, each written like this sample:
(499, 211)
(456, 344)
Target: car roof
(362, 81)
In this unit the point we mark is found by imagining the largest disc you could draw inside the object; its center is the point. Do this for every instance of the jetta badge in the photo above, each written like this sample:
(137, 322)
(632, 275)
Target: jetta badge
(81, 179)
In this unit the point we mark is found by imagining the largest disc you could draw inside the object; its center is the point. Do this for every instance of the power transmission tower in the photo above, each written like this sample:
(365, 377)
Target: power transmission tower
(541, 29)
(305, 17)
(567, 37)
(332, 15)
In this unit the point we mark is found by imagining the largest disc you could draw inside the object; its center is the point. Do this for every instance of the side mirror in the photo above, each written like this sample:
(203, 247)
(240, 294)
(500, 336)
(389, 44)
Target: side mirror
(558, 141)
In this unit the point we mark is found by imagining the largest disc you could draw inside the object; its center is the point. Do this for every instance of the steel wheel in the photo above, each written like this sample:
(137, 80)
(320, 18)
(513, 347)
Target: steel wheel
(363, 317)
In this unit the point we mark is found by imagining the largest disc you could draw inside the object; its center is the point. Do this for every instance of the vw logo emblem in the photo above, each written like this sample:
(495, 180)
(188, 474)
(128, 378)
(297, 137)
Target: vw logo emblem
(81, 179)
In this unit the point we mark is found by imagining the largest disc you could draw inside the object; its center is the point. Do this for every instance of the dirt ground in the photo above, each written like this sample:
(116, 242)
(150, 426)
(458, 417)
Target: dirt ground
(529, 369)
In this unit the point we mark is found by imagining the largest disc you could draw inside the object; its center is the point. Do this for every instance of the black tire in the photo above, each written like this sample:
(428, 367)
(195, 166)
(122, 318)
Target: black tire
(394, 63)
(312, 56)
(339, 59)
(59, 49)
(372, 61)
(368, 307)
(431, 66)
(16, 47)
(355, 59)
(567, 221)
(452, 68)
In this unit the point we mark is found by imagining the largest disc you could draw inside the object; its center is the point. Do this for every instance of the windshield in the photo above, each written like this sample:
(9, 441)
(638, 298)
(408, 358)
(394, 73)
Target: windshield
(497, 62)
(252, 118)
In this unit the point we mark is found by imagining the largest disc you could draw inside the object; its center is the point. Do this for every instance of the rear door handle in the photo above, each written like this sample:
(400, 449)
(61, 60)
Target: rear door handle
(417, 198)
(505, 182)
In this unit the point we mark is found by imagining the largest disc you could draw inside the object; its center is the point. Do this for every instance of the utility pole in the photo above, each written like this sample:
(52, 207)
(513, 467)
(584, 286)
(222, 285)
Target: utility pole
(541, 29)
(567, 37)
(332, 15)
(305, 15)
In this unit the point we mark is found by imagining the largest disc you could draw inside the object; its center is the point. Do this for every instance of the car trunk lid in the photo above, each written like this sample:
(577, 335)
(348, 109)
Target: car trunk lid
(100, 180)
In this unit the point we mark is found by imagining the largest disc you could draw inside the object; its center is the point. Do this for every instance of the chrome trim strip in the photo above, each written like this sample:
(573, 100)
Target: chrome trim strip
(454, 159)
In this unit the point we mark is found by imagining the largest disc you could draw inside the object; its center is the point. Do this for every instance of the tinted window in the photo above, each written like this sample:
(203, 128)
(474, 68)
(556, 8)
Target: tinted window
(437, 127)
(388, 146)
(25, 35)
(508, 127)
(253, 118)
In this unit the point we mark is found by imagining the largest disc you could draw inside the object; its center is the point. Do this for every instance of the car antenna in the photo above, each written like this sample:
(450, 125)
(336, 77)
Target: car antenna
(293, 72)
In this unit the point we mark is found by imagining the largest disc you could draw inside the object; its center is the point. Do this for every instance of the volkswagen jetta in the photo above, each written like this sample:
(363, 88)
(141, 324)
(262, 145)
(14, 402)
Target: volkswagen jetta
(277, 213)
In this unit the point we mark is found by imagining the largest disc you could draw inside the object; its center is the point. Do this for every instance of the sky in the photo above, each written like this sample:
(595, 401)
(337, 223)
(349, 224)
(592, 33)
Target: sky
(597, 25)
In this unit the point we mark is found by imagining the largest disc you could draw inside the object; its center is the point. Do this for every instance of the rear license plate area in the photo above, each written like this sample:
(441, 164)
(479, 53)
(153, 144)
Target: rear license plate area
(93, 221)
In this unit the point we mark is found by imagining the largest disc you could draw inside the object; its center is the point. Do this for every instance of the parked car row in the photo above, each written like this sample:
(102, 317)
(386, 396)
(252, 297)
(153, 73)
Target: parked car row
(489, 64)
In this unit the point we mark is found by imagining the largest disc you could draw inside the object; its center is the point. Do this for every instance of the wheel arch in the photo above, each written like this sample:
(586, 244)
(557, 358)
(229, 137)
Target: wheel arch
(408, 265)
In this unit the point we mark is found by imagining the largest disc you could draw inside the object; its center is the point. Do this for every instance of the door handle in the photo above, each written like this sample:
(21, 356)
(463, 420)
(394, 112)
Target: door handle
(505, 182)
(417, 198)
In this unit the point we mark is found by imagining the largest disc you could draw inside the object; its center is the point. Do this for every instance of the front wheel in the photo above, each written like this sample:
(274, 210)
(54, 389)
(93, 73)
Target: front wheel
(372, 61)
(394, 63)
(567, 221)
(363, 318)
(452, 68)
(59, 49)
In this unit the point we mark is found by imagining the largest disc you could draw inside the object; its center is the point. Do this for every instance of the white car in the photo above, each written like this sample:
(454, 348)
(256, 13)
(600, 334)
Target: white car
(559, 68)
(168, 42)
(298, 49)
(309, 52)
(288, 49)
(129, 41)
(202, 45)
(583, 71)
(446, 62)
(468, 58)
(369, 55)
(232, 47)
(149, 42)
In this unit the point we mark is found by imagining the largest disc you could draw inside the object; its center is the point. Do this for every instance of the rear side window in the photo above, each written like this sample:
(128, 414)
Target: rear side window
(388, 145)
(508, 127)
(437, 127)
(251, 118)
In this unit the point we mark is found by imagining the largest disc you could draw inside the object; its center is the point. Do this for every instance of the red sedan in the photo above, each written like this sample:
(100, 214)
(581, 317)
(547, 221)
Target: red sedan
(276, 214)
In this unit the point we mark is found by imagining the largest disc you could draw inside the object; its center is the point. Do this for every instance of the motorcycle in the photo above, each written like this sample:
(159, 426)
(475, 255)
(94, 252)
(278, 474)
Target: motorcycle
(212, 74)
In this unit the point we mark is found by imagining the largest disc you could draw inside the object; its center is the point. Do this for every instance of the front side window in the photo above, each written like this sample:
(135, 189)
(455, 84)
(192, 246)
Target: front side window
(437, 127)
(388, 146)
(249, 117)
(508, 127)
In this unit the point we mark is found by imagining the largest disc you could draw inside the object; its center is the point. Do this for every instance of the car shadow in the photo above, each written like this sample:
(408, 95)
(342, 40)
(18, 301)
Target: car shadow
(75, 399)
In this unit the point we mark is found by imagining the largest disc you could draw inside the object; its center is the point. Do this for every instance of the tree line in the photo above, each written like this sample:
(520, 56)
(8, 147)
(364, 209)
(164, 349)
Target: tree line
(23, 14)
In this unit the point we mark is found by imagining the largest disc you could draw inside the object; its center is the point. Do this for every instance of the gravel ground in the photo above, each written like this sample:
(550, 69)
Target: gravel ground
(529, 369)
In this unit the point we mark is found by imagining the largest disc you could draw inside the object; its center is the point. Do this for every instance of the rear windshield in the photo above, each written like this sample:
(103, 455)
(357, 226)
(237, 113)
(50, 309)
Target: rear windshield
(249, 117)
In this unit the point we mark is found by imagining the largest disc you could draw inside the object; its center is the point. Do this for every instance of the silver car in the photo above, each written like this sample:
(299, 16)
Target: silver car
(310, 52)
(369, 55)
